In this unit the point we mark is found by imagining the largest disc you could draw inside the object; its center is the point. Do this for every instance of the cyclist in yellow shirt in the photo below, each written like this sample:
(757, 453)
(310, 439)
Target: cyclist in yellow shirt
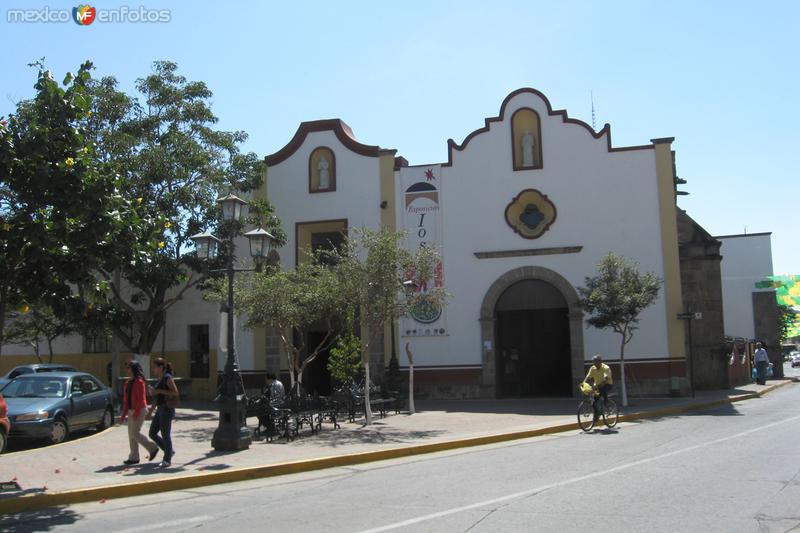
(600, 374)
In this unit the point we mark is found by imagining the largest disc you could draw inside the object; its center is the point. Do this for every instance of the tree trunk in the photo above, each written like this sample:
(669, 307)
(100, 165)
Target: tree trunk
(35, 345)
(622, 372)
(367, 409)
(411, 408)
(115, 349)
(50, 349)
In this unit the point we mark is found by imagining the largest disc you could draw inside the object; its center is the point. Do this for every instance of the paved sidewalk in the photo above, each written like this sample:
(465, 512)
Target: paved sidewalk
(96, 460)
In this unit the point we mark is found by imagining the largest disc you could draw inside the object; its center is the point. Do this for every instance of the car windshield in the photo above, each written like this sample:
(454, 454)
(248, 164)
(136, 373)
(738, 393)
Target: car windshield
(36, 388)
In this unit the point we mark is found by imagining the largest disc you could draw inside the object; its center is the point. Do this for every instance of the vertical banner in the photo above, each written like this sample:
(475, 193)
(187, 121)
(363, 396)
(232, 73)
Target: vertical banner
(422, 221)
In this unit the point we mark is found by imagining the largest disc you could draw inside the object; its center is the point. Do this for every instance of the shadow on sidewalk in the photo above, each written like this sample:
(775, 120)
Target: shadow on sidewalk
(335, 438)
(727, 409)
(182, 415)
(41, 520)
(196, 434)
(152, 468)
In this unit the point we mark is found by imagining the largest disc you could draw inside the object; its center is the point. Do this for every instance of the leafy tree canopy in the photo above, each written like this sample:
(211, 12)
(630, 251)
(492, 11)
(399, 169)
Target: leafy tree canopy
(61, 214)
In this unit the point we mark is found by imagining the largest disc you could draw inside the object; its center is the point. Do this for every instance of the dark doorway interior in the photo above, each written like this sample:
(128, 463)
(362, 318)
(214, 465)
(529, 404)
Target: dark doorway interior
(533, 347)
(198, 350)
(316, 377)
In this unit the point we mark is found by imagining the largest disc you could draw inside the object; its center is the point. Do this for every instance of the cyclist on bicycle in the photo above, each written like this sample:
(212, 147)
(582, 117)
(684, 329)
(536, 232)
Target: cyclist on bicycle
(600, 374)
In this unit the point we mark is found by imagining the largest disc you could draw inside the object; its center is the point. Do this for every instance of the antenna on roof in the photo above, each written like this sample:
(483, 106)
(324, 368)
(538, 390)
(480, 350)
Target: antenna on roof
(591, 95)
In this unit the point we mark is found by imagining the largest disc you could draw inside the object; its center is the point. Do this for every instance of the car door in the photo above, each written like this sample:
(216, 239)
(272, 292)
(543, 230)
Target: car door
(81, 404)
(97, 399)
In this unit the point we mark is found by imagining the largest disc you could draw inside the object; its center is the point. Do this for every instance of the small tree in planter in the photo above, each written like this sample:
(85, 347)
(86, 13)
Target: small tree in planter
(373, 271)
(344, 362)
(293, 301)
(615, 297)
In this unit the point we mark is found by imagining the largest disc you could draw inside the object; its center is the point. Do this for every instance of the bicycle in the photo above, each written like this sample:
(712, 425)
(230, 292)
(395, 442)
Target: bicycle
(608, 409)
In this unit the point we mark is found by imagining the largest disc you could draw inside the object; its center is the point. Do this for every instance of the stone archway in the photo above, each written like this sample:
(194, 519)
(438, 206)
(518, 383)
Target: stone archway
(488, 318)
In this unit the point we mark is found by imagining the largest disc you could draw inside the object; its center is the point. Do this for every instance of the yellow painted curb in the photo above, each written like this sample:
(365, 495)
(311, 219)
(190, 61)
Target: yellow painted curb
(40, 501)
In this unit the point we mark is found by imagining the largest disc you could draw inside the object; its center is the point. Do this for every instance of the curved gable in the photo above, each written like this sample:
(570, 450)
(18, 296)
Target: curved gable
(339, 128)
(451, 144)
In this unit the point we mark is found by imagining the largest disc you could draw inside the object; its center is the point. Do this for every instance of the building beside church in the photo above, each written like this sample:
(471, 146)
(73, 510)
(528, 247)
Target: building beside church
(522, 210)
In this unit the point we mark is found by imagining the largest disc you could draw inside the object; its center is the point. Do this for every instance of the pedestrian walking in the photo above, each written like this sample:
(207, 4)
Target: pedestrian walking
(134, 408)
(165, 399)
(761, 359)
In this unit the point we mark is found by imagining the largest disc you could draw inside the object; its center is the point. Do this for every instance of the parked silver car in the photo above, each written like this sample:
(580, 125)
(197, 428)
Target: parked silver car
(50, 405)
(795, 358)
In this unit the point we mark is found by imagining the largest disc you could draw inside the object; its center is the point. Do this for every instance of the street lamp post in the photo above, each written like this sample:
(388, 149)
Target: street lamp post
(232, 433)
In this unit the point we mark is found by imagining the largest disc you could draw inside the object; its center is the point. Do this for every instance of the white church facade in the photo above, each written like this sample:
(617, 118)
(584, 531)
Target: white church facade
(522, 211)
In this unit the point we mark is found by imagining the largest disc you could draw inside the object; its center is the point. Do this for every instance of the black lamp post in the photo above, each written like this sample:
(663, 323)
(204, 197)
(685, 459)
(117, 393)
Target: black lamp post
(232, 433)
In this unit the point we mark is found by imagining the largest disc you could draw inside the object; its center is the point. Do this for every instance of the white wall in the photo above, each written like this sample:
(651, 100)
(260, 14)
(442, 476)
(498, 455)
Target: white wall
(746, 259)
(190, 310)
(605, 202)
(356, 198)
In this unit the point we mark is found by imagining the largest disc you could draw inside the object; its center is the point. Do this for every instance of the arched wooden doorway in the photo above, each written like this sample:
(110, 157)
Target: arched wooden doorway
(490, 315)
(533, 347)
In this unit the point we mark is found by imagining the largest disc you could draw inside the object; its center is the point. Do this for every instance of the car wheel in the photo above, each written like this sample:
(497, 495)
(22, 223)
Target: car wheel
(2, 440)
(59, 431)
(107, 421)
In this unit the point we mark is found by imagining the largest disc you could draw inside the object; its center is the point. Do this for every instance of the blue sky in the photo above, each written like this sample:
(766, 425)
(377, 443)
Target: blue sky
(720, 77)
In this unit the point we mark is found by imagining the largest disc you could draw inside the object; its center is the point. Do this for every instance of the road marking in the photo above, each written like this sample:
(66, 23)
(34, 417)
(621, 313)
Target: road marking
(531, 492)
(166, 525)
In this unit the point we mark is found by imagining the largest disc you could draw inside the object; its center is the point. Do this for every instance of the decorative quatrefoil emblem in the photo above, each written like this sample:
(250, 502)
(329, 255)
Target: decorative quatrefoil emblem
(530, 214)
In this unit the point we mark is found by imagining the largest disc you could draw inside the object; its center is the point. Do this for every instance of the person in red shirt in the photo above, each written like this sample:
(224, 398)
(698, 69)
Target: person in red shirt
(134, 401)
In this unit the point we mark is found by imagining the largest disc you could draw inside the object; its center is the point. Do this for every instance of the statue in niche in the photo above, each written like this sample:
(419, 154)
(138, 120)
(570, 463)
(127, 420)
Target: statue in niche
(324, 174)
(527, 149)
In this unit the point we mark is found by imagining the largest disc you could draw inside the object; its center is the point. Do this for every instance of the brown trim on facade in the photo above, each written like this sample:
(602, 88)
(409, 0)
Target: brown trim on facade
(539, 152)
(451, 144)
(442, 367)
(529, 252)
(645, 370)
(642, 360)
(332, 188)
(663, 140)
(342, 131)
(400, 162)
(308, 223)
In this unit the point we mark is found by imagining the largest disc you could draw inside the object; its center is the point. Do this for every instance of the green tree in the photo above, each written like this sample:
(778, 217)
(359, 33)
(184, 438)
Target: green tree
(173, 165)
(39, 324)
(787, 320)
(374, 272)
(61, 215)
(614, 299)
(293, 301)
(345, 355)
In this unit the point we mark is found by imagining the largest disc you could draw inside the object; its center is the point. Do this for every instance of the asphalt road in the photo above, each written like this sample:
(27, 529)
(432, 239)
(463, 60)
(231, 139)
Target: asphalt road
(735, 468)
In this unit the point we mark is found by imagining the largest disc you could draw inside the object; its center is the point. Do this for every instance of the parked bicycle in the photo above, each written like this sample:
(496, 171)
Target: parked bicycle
(608, 409)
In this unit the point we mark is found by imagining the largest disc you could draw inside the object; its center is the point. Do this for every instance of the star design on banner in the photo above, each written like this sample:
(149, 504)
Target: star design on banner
(429, 175)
